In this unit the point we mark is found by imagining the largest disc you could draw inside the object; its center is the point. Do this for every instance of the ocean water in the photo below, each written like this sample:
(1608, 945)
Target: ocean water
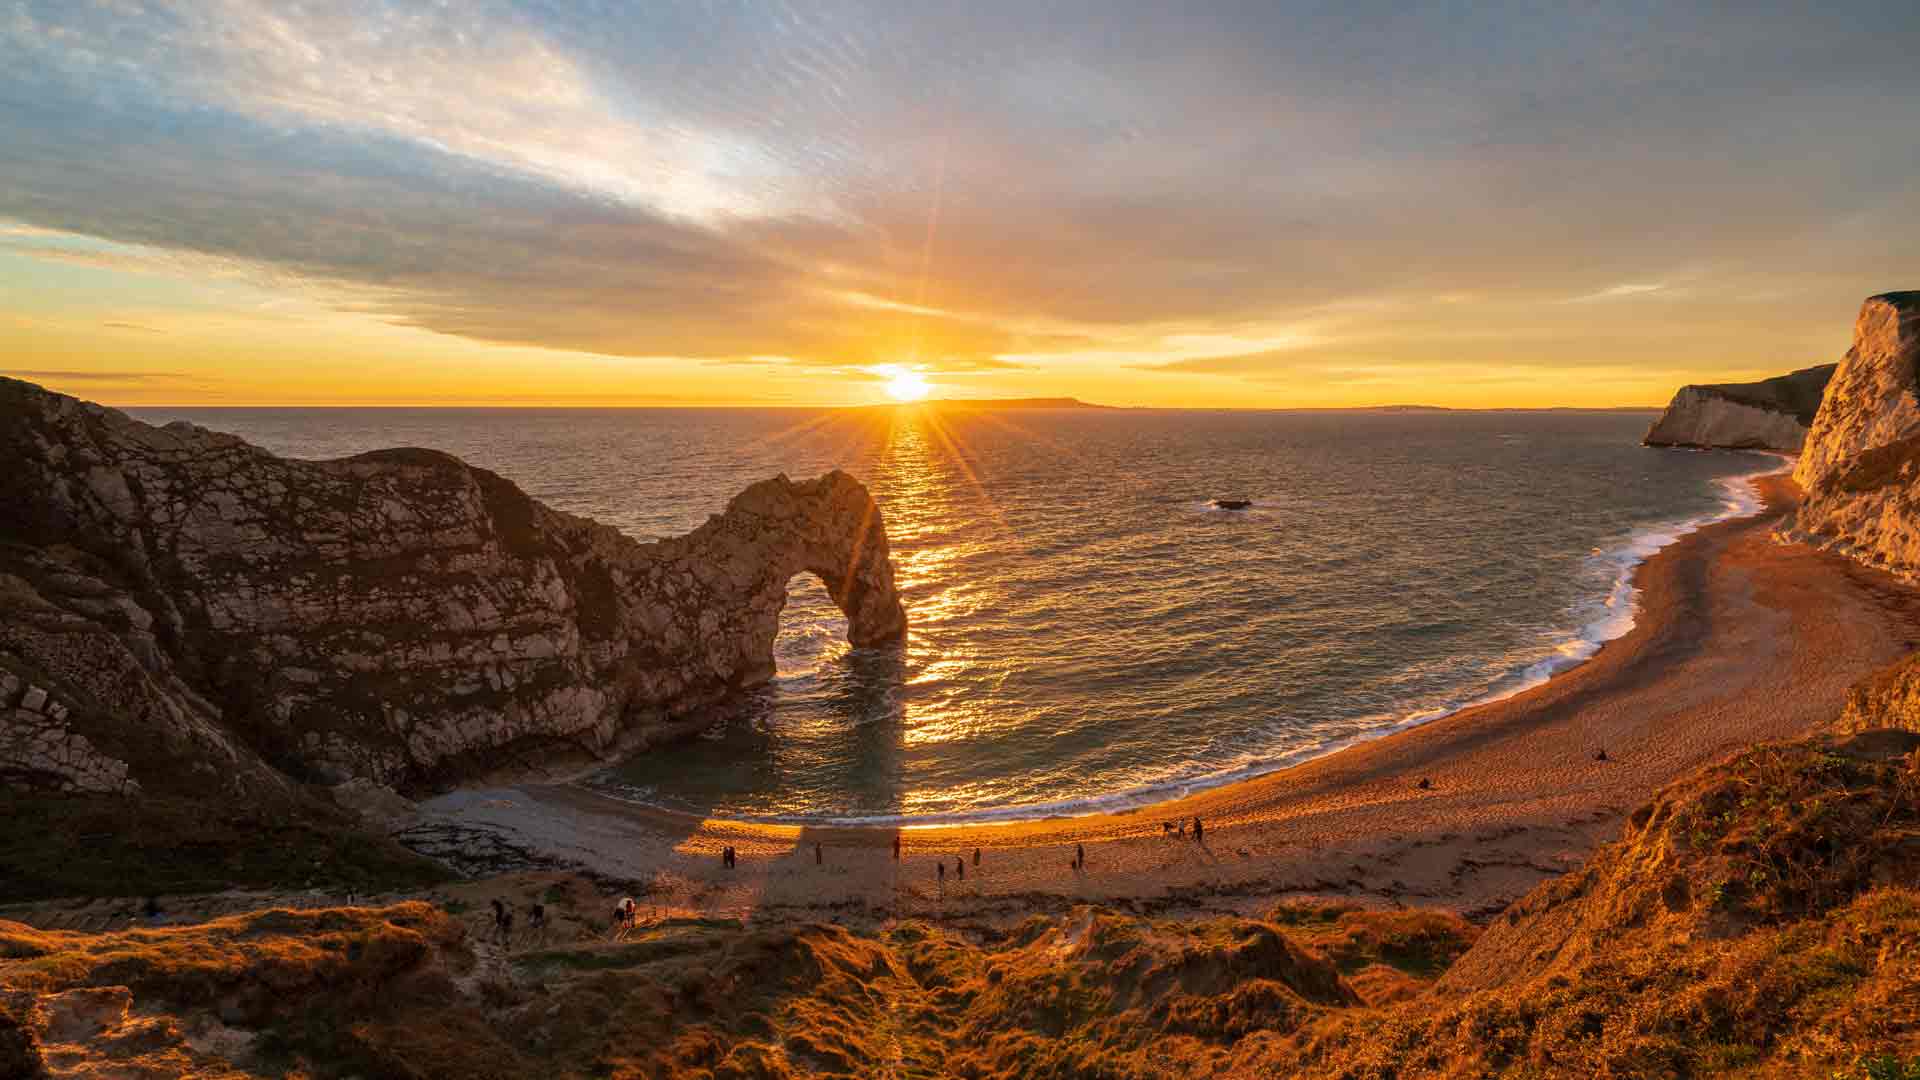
(1086, 632)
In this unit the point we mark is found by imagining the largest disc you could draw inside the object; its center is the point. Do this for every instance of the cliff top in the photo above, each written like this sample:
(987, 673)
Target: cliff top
(1797, 393)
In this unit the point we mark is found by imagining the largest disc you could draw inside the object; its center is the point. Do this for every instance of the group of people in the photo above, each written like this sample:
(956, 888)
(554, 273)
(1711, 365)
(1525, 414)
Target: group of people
(503, 920)
(940, 867)
(1179, 829)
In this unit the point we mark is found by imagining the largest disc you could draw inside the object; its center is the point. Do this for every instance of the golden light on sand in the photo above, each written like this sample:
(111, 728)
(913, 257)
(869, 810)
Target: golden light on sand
(907, 386)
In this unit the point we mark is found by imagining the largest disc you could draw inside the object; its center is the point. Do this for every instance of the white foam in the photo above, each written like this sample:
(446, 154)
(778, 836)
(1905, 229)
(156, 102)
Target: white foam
(1614, 620)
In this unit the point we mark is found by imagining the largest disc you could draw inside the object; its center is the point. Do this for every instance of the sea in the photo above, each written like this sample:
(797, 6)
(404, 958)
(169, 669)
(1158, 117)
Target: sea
(1087, 631)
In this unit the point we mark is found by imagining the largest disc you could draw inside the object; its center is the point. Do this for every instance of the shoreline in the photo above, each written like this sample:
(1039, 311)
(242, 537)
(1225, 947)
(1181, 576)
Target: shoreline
(1737, 640)
(1745, 501)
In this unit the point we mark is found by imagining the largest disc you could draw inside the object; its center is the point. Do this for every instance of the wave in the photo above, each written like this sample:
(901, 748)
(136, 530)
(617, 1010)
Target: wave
(1611, 617)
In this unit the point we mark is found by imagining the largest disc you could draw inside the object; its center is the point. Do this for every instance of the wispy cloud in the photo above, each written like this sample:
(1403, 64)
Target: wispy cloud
(973, 187)
(1616, 292)
(33, 375)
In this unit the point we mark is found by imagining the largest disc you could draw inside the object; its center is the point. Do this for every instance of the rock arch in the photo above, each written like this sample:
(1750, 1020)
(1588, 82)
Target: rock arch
(743, 559)
(400, 615)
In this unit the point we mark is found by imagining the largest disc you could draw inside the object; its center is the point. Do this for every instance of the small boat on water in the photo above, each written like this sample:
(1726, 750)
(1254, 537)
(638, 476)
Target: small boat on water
(1232, 504)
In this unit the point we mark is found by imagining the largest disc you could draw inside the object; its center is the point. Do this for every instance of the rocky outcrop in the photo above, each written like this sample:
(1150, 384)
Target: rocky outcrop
(1873, 399)
(399, 616)
(1861, 466)
(1773, 414)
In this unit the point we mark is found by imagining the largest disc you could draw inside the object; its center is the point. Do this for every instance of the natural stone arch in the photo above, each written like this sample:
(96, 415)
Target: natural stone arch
(829, 527)
(398, 615)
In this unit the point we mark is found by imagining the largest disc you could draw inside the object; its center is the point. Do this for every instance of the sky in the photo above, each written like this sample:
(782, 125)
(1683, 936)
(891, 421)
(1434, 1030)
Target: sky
(1262, 204)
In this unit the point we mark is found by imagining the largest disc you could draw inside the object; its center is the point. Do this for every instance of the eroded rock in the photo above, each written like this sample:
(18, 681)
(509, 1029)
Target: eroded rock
(398, 616)
(1861, 466)
(1773, 414)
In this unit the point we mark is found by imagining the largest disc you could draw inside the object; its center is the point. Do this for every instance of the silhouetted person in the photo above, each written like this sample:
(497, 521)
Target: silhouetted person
(537, 917)
(1199, 831)
(960, 867)
(1166, 829)
(896, 847)
(818, 856)
(941, 866)
(506, 928)
(1181, 832)
(976, 856)
(727, 858)
(1079, 856)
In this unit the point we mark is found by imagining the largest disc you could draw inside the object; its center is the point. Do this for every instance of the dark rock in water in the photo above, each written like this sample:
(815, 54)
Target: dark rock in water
(1232, 504)
(182, 610)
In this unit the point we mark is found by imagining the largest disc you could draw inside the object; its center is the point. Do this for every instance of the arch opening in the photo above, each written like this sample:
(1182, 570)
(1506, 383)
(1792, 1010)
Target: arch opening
(812, 634)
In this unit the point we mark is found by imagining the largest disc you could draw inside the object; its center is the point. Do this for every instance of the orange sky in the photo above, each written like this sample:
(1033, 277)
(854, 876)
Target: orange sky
(1132, 203)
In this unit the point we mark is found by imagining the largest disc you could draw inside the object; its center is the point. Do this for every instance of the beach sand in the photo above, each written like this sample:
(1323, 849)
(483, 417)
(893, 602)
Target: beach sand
(1738, 640)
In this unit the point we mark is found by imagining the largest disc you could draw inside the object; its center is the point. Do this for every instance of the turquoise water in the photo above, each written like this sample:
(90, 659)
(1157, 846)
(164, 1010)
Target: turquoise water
(1086, 631)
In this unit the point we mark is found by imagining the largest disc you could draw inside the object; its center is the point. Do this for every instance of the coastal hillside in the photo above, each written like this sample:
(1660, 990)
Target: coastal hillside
(1759, 918)
(180, 610)
(1861, 466)
(1772, 414)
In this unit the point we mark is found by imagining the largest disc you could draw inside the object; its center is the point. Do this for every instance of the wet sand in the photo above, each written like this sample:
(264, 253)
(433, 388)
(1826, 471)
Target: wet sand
(1738, 640)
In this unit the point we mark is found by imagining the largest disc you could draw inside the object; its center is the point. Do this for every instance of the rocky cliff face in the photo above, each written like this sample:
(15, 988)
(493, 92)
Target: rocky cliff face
(176, 598)
(1773, 414)
(1862, 458)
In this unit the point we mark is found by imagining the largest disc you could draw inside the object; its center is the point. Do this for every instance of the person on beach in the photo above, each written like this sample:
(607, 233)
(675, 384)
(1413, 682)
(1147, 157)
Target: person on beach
(1079, 856)
(537, 919)
(625, 915)
(976, 856)
(941, 867)
(1182, 831)
(896, 847)
(960, 867)
(1199, 832)
(819, 857)
(499, 916)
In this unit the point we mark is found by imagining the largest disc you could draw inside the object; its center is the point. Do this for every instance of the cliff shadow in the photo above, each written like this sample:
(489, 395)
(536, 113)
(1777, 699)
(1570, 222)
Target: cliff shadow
(823, 738)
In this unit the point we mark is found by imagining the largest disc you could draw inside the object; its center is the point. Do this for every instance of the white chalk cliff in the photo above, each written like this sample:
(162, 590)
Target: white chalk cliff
(178, 607)
(1773, 414)
(1860, 469)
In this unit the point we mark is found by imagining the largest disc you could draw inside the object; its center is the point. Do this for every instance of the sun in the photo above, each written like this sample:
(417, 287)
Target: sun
(907, 386)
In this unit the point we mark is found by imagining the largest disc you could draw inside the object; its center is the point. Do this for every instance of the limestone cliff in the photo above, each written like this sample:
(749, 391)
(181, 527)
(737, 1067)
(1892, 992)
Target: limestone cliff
(1773, 414)
(176, 598)
(1861, 466)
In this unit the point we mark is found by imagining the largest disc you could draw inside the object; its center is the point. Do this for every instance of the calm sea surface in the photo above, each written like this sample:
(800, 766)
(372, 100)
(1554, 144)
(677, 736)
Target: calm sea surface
(1085, 630)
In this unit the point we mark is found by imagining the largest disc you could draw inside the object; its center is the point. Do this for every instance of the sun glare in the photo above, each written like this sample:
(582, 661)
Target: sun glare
(907, 386)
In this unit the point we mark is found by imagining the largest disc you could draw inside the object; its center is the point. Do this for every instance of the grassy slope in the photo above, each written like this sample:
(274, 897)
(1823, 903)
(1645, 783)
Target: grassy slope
(1759, 918)
(100, 845)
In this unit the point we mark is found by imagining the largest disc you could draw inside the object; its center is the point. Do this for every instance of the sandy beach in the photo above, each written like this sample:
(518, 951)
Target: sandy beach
(1738, 640)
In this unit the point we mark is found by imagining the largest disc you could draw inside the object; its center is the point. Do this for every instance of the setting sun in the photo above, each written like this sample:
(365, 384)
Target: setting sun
(907, 386)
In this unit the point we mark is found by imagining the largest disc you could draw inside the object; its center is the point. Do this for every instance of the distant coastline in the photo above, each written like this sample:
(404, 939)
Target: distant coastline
(991, 403)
